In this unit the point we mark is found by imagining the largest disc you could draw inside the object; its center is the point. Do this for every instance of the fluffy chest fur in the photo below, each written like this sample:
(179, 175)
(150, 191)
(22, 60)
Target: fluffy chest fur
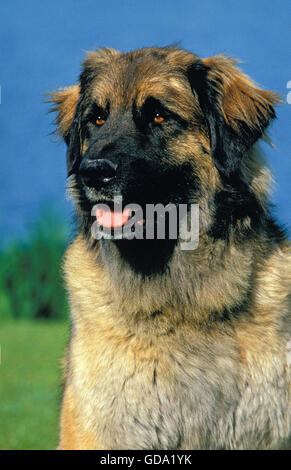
(186, 387)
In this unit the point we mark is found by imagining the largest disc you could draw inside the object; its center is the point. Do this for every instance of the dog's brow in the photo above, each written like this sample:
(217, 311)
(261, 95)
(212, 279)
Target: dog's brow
(95, 108)
(175, 93)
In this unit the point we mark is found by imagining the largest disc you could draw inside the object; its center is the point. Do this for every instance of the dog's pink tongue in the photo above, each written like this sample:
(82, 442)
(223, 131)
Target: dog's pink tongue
(111, 219)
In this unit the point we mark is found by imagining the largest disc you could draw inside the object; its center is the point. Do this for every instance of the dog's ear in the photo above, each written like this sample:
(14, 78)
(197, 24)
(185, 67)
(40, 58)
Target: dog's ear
(236, 110)
(65, 105)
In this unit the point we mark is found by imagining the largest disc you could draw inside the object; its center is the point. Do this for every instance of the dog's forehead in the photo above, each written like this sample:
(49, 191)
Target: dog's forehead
(133, 76)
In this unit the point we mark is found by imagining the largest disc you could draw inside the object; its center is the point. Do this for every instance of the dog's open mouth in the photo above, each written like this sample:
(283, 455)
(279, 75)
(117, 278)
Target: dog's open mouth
(109, 218)
(112, 218)
(132, 220)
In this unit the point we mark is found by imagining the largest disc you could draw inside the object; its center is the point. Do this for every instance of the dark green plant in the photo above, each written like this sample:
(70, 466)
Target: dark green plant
(31, 284)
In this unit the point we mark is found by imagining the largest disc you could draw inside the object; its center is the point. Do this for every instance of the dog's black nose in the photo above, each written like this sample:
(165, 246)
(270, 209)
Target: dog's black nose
(94, 172)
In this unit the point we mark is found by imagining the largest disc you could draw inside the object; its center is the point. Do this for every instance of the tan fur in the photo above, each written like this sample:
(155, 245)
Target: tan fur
(194, 358)
(241, 100)
(75, 437)
(65, 102)
(114, 334)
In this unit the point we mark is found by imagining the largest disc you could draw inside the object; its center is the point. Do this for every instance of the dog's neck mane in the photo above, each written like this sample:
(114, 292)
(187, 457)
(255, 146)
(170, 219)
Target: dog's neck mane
(212, 281)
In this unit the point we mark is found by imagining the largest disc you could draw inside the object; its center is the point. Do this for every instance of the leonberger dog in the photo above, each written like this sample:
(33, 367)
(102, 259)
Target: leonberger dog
(172, 348)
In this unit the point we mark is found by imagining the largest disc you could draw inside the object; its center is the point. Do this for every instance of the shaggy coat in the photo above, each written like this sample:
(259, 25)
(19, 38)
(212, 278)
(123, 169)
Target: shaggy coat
(174, 349)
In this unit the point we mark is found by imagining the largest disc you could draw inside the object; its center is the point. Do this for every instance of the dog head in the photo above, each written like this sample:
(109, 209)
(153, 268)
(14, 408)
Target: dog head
(160, 125)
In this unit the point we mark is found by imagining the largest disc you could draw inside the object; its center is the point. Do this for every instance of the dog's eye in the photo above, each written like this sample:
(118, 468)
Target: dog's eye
(100, 121)
(158, 118)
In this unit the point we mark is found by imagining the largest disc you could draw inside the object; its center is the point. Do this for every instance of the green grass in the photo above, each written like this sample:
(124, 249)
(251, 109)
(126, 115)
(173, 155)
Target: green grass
(30, 383)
